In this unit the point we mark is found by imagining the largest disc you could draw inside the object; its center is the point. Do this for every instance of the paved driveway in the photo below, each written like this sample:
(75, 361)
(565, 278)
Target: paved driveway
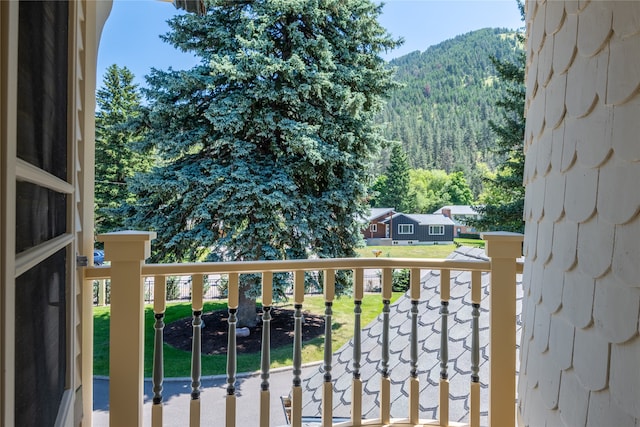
(176, 396)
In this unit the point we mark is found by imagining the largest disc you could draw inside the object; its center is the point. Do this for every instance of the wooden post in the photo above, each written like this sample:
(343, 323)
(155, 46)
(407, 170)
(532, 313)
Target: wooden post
(127, 251)
(503, 249)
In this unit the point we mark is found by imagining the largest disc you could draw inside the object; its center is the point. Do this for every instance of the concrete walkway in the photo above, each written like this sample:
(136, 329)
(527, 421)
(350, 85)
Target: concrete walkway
(177, 395)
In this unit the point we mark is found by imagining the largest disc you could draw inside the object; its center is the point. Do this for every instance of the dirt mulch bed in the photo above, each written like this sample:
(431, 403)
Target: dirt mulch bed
(214, 335)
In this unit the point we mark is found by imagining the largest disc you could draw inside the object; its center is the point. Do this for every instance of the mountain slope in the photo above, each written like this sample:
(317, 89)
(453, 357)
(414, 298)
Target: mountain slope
(441, 114)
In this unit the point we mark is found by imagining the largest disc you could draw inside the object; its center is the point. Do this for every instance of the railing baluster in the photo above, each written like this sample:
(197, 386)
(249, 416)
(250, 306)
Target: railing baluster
(356, 388)
(233, 290)
(159, 306)
(385, 386)
(265, 359)
(126, 401)
(445, 284)
(327, 388)
(476, 292)
(197, 286)
(102, 293)
(414, 384)
(296, 392)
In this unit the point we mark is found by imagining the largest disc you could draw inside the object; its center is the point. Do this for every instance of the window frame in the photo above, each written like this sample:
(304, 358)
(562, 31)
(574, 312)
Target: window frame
(433, 227)
(402, 226)
(73, 183)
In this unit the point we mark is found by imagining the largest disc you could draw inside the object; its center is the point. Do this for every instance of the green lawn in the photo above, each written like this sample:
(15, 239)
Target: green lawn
(177, 363)
(408, 251)
(474, 243)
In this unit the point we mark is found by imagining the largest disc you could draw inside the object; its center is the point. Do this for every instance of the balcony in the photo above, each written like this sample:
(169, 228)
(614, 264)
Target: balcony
(127, 251)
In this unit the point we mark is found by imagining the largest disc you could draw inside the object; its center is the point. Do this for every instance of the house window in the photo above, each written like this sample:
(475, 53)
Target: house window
(436, 230)
(373, 228)
(405, 228)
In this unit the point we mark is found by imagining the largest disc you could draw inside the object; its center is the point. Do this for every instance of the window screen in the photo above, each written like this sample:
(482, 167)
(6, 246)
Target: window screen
(41, 214)
(42, 85)
(40, 366)
(41, 302)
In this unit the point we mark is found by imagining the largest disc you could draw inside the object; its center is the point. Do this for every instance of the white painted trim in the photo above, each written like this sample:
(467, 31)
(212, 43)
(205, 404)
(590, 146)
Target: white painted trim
(66, 410)
(29, 173)
(8, 118)
(32, 257)
(436, 234)
(412, 228)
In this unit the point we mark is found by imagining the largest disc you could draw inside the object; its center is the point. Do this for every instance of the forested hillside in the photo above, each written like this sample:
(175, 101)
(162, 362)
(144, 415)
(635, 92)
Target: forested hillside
(450, 90)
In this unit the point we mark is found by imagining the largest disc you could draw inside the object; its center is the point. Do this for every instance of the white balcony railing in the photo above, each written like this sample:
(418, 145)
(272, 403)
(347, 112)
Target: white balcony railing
(128, 250)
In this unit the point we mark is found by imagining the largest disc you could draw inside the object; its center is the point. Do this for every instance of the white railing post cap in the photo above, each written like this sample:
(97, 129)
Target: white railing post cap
(503, 244)
(127, 245)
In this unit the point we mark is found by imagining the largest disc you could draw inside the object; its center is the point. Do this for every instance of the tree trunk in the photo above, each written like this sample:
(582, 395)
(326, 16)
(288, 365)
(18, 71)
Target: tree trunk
(247, 315)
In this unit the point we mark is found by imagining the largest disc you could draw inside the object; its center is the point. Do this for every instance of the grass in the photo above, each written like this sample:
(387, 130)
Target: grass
(418, 251)
(474, 243)
(408, 251)
(177, 363)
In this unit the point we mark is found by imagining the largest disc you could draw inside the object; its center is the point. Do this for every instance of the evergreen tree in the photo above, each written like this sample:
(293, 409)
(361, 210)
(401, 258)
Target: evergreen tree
(265, 146)
(377, 190)
(458, 189)
(396, 192)
(118, 102)
(504, 194)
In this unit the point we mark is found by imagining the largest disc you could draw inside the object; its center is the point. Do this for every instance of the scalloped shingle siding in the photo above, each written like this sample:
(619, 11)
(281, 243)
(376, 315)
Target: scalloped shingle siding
(580, 354)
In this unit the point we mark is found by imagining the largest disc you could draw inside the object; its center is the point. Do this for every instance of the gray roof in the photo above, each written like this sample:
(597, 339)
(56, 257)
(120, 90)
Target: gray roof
(458, 210)
(426, 219)
(429, 344)
(378, 212)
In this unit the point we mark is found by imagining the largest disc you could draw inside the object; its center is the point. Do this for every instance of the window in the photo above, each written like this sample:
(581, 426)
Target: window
(373, 228)
(405, 228)
(45, 294)
(436, 230)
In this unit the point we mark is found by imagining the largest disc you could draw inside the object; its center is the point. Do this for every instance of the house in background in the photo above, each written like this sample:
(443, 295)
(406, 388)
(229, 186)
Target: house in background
(377, 232)
(458, 214)
(420, 229)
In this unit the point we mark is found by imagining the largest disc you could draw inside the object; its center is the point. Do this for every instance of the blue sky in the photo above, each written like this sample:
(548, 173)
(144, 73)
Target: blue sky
(130, 36)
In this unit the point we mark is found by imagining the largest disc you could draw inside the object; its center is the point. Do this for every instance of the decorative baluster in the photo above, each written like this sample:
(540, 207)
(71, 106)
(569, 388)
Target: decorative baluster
(233, 292)
(476, 292)
(296, 392)
(265, 360)
(356, 388)
(385, 386)
(159, 306)
(445, 278)
(327, 389)
(197, 287)
(414, 384)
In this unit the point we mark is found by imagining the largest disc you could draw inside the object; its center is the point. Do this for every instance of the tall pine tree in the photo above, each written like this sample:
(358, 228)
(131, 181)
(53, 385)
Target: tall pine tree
(397, 192)
(118, 102)
(265, 146)
(503, 201)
